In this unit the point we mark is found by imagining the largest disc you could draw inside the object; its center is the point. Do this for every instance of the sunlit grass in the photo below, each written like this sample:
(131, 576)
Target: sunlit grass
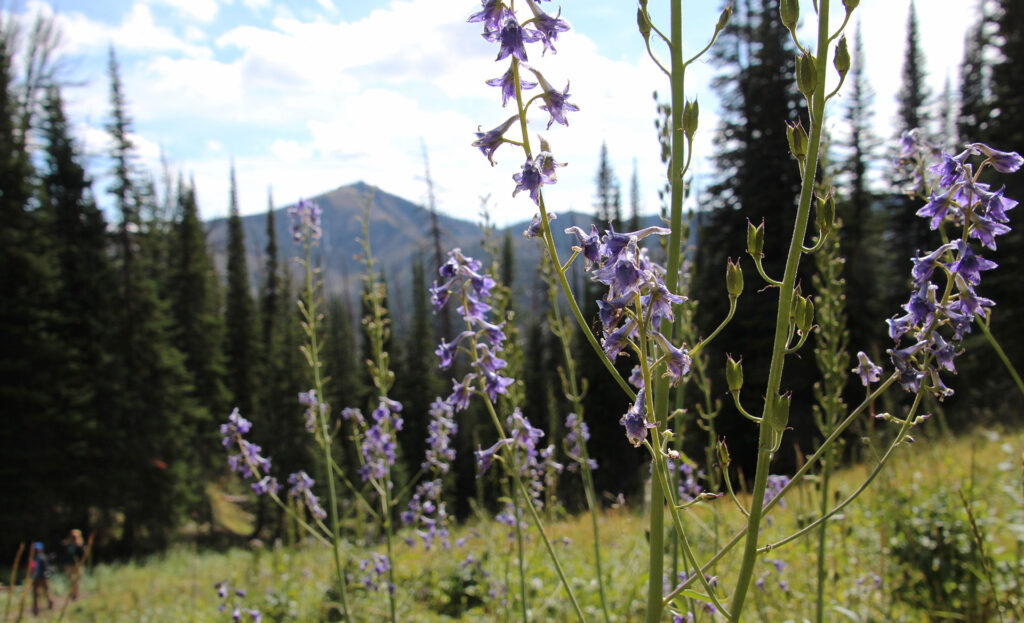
(291, 584)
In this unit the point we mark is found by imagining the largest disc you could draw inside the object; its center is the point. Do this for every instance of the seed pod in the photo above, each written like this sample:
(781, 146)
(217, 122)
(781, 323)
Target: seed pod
(797, 137)
(644, 23)
(691, 112)
(733, 278)
(806, 75)
(789, 10)
(723, 453)
(723, 19)
(842, 57)
(734, 373)
(825, 213)
(755, 239)
(805, 314)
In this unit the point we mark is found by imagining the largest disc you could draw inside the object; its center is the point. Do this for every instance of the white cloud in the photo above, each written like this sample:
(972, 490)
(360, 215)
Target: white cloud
(327, 5)
(138, 32)
(203, 10)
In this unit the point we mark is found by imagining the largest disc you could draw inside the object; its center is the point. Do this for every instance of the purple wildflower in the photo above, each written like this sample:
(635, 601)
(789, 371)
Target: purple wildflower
(507, 82)
(534, 230)
(548, 26)
(492, 14)
(635, 420)
(556, 102)
(305, 217)
(867, 370)
(512, 38)
(1002, 161)
(488, 142)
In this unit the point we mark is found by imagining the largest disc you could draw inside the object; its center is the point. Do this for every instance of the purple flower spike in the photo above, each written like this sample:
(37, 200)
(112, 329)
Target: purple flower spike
(937, 208)
(867, 370)
(1002, 161)
(507, 82)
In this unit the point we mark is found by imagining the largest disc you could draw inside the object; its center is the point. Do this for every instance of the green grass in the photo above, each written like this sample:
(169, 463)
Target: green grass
(910, 529)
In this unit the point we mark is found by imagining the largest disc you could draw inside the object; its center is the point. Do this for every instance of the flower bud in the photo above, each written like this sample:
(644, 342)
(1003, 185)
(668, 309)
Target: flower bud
(723, 19)
(779, 418)
(842, 57)
(644, 22)
(790, 12)
(806, 75)
(734, 373)
(691, 112)
(849, 4)
(755, 239)
(825, 213)
(733, 278)
(797, 136)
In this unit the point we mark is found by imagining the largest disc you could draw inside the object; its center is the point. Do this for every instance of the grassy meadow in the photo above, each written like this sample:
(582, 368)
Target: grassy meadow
(905, 550)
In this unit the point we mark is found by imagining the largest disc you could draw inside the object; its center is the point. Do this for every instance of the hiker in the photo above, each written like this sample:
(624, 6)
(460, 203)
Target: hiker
(40, 570)
(74, 556)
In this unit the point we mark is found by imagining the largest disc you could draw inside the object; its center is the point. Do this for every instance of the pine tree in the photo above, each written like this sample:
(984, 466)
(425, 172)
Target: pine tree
(195, 303)
(149, 476)
(863, 220)
(239, 316)
(975, 81)
(757, 179)
(914, 94)
(1007, 132)
(82, 309)
(634, 200)
(27, 276)
(608, 201)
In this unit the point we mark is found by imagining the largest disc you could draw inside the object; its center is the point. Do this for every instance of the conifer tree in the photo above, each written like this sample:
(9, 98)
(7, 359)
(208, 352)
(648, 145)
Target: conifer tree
(1007, 132)
(634, 200)
(863, 220)
(757, 179)
(914, 95)
(26, 279)
(239, 315)
(149, 477)
(81, 310)
(195, 303)
(972, 122)
(608, 201)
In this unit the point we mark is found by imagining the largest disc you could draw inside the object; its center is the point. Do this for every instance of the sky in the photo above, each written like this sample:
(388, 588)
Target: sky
(304, 96)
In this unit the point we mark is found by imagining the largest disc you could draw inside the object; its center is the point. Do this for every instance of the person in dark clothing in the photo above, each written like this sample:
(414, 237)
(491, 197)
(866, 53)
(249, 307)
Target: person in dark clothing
(40, 572)
(74, 556)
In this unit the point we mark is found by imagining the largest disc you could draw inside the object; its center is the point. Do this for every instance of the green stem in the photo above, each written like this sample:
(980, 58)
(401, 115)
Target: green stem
(766, 433)
(826, 473)
(332, 496)
(588, 478)
(984, 324)
(519, 552)
(388, 537)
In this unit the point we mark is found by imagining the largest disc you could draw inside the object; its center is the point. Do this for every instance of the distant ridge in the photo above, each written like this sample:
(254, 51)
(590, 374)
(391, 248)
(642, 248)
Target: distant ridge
(399, 231)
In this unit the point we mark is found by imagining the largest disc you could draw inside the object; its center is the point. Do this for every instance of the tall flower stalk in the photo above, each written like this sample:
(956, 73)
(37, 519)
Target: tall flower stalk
(306, 228)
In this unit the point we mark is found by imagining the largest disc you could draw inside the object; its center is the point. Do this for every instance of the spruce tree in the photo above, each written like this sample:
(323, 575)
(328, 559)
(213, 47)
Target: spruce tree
(972, 121)
(757, 179)
(82, 309)
(864, 222)
(914, 95)
(239, 316)
(195, 303)
(608, 200)
(1007, 132)
(149, 477)
(26, 292)
(634, 200)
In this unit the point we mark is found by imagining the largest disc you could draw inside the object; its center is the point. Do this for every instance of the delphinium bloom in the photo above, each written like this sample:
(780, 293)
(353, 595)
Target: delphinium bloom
(375, 570)
(577, 433)
(247, 461)
(378, 445)
(462, 278)
(504, 27)
(301, 490)
(225, 591)
(426, 510)
(636, 293)
(944, 300)
(305, 217)
(313, 405)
